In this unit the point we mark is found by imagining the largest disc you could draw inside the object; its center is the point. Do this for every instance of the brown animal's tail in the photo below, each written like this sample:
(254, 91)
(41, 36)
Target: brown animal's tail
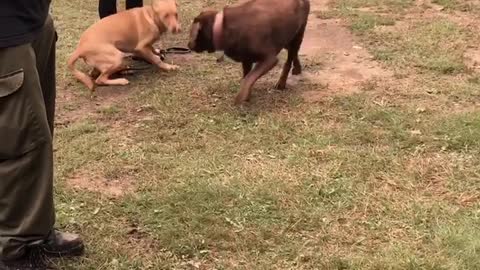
(84, 78)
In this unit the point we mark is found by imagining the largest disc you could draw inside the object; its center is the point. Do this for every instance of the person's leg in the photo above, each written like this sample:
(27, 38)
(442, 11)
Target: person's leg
(56, 243)
(27, 100)
(45, 49)
(133, 4)
(107, 8)
(26, 156)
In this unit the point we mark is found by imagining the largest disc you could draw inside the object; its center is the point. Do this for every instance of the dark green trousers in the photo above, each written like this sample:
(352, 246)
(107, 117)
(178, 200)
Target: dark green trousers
(27, 108)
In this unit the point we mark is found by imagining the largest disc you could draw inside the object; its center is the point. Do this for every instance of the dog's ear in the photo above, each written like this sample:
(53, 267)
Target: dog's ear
(196, 27)
(201, 32)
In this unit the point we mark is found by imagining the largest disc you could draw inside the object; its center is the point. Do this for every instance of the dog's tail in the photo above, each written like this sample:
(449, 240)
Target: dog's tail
(84, 78)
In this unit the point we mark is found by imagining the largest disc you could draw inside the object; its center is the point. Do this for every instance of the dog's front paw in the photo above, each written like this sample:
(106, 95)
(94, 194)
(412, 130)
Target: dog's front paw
(173, 67)
(168, 67)
(123, 81)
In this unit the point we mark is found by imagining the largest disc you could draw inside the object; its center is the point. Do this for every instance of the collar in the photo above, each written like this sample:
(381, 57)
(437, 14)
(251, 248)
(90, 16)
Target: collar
(218, 31)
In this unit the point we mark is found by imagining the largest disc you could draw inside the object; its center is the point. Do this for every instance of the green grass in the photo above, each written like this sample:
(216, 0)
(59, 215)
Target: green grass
(434, 45)
(446, 3)
(389, 4)
(463, 6)
(364, 21)
(460, 132)
(387, 178)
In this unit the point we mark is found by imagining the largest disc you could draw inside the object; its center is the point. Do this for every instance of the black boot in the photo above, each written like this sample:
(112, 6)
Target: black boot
(59, 244)
(34, 259)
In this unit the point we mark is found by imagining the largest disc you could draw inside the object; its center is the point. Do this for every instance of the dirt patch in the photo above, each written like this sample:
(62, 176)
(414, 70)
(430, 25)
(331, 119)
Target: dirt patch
(345, 65)
(113, 188)
(472, 58)
(73, 107)
(426, 9)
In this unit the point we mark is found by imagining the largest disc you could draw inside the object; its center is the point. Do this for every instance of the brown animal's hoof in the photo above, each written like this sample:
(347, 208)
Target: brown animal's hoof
(239, 100)
(296, 71)
(281, 86)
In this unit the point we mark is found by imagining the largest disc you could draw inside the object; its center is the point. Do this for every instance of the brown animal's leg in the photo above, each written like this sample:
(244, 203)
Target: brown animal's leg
(282, 82)
(295, 47)
(148, 54)
(247, 67)
(297, 68)
(260, 69)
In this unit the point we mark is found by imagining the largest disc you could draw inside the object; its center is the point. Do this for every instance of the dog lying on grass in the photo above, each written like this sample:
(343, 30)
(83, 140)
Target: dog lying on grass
(254, 32)
(104, 45)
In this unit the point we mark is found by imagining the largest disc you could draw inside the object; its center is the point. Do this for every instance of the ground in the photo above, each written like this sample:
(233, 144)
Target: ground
(369, 160)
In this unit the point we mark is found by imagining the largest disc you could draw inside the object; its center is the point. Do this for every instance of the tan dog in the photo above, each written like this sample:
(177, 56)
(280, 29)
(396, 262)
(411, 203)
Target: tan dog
(104, 44)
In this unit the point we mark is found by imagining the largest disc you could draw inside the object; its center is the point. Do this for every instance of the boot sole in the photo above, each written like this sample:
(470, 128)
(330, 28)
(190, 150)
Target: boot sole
(73, 252)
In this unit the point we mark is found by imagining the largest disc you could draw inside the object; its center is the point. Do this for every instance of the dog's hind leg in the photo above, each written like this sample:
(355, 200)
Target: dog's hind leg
(260, 69)
(247, 67)
(282, 82)
(103, 79)
(107, 71)
(295, 47)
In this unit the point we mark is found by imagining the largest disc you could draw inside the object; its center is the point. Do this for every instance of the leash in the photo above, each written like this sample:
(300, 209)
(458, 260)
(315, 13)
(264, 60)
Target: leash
(178, 50)
(173, 50)
(162, 53)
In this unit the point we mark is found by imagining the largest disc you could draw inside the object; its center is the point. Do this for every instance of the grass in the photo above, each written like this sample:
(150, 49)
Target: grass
(472, 7)
(388, 4)
(386, 178)
(365, 21)
(435, 45)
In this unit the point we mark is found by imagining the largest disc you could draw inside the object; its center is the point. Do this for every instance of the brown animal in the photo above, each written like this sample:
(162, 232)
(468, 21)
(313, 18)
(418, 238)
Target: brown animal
(104, 44)
(251, 32)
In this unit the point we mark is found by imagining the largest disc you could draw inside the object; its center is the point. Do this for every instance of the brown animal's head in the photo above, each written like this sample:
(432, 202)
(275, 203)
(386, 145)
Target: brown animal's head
(166, 14)
(201, 32)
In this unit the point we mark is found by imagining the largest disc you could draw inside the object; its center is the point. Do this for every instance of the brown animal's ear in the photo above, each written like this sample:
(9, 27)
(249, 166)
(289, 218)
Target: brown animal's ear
(196, 27)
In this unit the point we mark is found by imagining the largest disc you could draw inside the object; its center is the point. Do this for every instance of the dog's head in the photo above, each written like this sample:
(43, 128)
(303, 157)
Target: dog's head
(201, 32)
(165, 12)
